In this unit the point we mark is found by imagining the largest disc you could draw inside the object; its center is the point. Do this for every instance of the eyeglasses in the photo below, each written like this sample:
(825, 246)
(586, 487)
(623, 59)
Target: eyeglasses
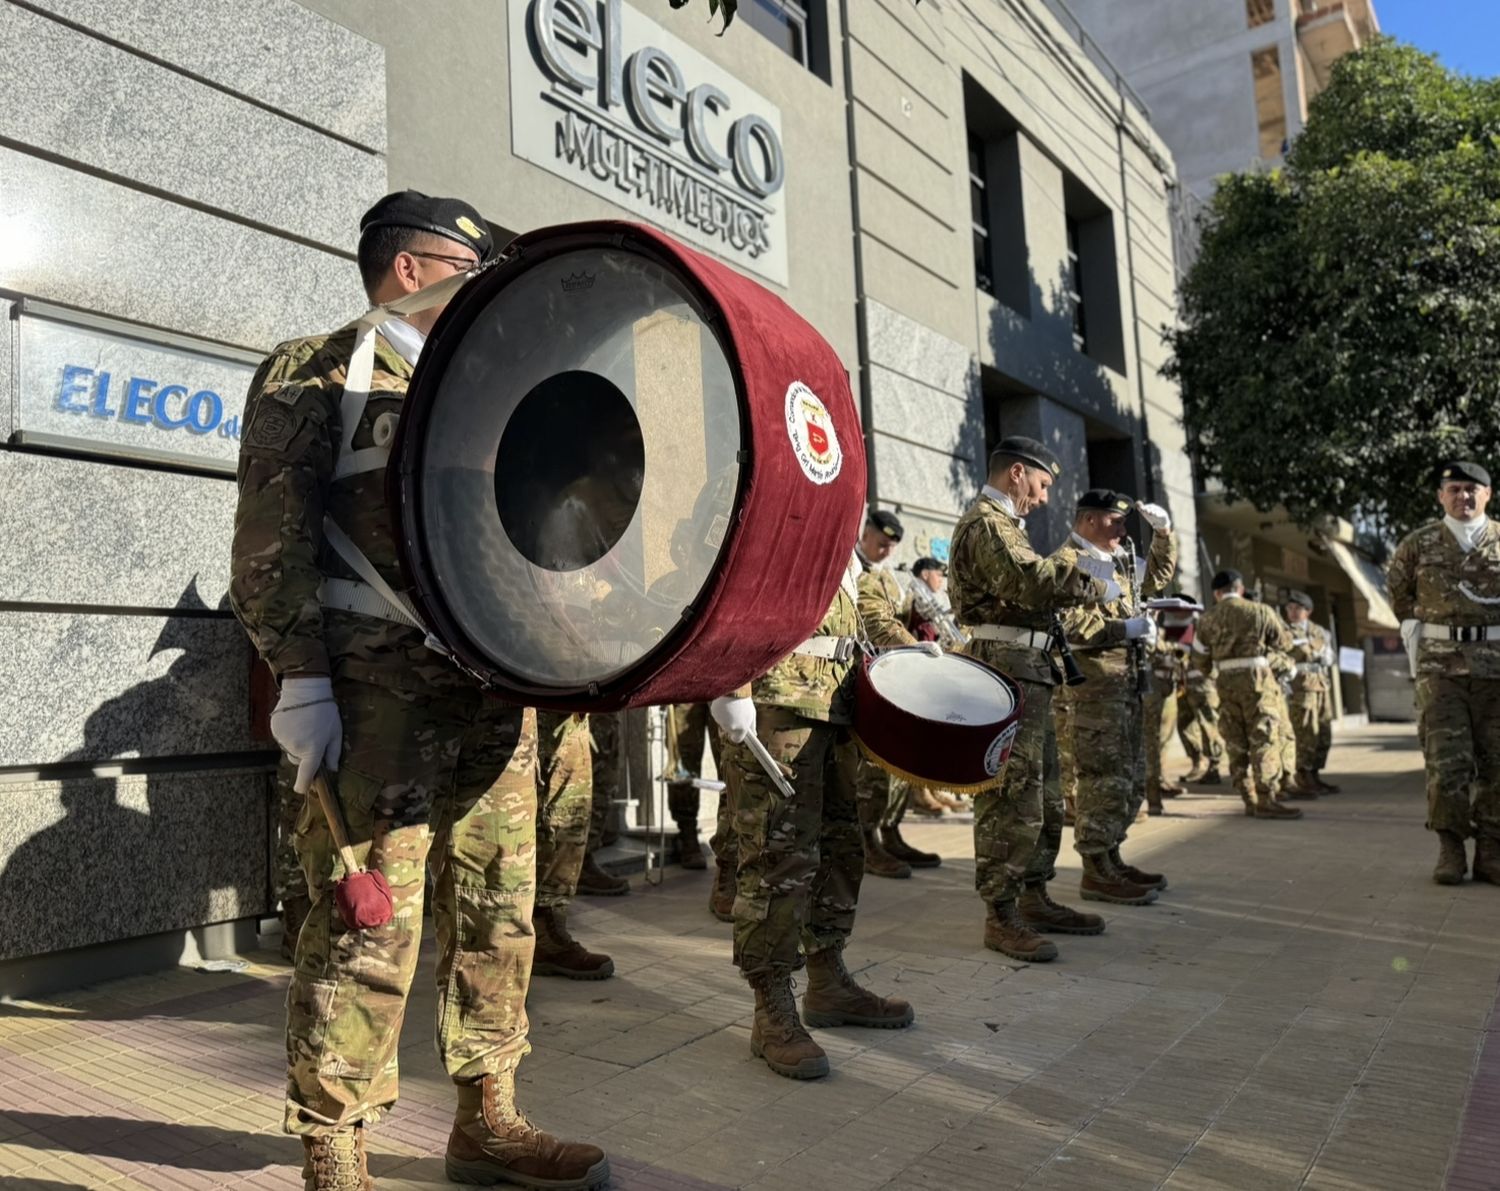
(461, 264)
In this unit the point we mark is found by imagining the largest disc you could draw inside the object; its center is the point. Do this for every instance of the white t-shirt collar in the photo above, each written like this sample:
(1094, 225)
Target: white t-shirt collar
(405, 338)
(1467, 534)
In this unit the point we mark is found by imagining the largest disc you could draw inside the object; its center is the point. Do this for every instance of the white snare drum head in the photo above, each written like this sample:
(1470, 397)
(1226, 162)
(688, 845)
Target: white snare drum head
(949, 689)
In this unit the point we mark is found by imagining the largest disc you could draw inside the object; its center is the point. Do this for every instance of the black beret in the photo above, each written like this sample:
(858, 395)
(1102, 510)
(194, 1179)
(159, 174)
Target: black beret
(1227, 579)
(1106, 499)
(887, 523)
(1300, 597)
(1028, 450)
(923, 565)
(1463, 470)
(449, 217)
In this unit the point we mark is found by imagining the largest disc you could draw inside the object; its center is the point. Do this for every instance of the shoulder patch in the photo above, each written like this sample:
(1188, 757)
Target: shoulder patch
(286, 394)
(271, 429)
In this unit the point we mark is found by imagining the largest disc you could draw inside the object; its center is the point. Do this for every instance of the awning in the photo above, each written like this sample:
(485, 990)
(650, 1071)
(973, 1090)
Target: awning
(1369, 586)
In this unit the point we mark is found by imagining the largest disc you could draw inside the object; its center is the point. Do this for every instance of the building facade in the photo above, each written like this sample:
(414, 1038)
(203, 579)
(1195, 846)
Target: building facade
(968, 209)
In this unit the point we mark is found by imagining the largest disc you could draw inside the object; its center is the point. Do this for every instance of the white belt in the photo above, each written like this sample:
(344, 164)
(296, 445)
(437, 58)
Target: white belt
(831, 649)
(1031, 638)
(1243, 663)
(1308, 668)
(350, 595)
(1460, 632)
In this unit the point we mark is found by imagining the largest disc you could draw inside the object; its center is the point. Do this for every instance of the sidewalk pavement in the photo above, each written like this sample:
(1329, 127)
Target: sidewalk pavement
(1303, 1008)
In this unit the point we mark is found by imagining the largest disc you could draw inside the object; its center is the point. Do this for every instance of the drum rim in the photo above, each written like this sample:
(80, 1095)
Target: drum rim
(1009, 684)
(528, 252)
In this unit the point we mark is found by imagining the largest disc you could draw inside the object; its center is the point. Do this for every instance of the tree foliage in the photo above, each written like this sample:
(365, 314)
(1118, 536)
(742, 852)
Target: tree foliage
(1341, 325)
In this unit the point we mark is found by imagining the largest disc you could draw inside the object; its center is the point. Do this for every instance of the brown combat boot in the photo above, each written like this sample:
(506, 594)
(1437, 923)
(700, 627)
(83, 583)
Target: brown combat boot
(1041, 913)
(294, 912)
(1195, 773)
(1168, 790)
(1213, 777)
(1156, 881)
(1249, 800)
(1007, 932)
(879, 862)
(777, 1035)
(558, 953)
(1453, 861)
(493, 1142)
(1102, 882)
(689, 850)
(1487, 860)
(1300, 787)
(891, 841)
(593, 881)
(721, 897)
(1154, 805)
(336, 1161)
(834, 999)
(1322, 786)
(1269, 808)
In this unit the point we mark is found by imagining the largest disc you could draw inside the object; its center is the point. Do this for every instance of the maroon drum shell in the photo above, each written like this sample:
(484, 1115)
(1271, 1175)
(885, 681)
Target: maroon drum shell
(930, 752)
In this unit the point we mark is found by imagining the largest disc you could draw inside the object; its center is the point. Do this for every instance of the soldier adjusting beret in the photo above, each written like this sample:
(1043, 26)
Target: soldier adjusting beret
(1224, 580)
(1300, 597)
(1106, 499)
(887, 523)
(448, 217)
(1463, 470)
(1029, 451)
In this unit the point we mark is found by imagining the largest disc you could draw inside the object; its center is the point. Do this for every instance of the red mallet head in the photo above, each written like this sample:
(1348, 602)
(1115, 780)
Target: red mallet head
(364, 900)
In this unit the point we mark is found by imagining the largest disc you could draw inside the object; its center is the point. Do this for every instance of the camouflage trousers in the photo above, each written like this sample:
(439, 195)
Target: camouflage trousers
(1251, 708)
(607, 765)
(1109, 768)
(1286, 739)
(1312, 722)
(1198, 724)
(448, 781)
(1018, 824)
(1062, 722)
(801, 859)
(1159, 711)
(1459, 722)
(564, 804)
(288, 881)
(692, 726)
(881, 797)
(733, 759)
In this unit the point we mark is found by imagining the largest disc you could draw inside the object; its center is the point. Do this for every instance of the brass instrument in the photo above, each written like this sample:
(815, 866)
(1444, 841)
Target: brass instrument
(925, 604)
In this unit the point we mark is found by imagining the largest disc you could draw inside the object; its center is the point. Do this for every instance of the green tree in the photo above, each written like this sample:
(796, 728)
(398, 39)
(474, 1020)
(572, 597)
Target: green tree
(1341, 325)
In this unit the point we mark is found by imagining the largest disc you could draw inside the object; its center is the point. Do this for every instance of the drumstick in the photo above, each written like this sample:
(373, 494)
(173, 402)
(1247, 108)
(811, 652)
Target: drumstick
(768, 763)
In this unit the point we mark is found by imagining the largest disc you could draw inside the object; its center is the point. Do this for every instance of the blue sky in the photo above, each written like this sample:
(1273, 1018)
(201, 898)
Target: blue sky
(1465, 34)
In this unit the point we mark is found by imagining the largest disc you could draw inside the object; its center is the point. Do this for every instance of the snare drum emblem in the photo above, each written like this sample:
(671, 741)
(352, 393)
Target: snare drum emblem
(814, 440)
(994, 756)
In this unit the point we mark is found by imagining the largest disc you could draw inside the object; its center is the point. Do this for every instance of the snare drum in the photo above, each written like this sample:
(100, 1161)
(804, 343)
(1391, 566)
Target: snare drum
(947, 722)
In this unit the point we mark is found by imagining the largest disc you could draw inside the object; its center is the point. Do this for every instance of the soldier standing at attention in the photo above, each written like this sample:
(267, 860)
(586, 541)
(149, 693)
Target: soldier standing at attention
(1445, 587)
(1239, 636)
(1159, 712)
(884, 609)
(1198, 725)
(800, 859)
(431, 767)
(1005, 595)
(1105, 712)
(1311, 702)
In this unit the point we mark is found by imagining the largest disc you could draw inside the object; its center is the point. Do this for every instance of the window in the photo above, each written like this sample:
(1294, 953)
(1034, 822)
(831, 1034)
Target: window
(1075, 290)
(783, 22)
(1270, 102)
(979, 216)
(1087, 284)
(1261, 12)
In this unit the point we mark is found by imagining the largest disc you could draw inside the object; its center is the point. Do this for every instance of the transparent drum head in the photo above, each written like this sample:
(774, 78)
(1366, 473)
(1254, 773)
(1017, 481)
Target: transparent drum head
(576, 467)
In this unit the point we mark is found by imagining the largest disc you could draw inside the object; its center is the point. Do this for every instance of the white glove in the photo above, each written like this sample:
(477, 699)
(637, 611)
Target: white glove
(1111, 592)
(1137, 627)
(1155, 516)
(931, 648)
(735, 717)
(1411, 636)
(1151, 632)
(305, 723)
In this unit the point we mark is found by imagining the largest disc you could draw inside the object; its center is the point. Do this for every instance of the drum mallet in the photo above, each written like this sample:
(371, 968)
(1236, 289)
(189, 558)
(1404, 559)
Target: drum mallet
(768, 763)
(363, 896)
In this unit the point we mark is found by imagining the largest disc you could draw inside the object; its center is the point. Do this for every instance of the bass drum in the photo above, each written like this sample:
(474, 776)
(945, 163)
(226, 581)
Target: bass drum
(625, 474)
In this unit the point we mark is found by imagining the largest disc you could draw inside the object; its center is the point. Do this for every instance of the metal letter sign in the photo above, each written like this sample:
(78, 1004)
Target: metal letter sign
(603, 96)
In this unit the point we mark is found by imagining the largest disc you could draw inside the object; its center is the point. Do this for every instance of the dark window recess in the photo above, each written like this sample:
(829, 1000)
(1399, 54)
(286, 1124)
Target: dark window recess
(1088, 287)
(1075, 288)
(783, 22)
(997, 219)
(979, 217)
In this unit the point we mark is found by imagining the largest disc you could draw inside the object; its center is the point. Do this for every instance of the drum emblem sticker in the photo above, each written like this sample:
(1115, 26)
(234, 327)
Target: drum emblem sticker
(996, 752)
(814, 440)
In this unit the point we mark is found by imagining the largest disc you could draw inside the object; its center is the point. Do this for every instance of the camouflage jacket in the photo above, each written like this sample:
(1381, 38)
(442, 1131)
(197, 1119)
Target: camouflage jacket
(884, 607)
(1239, 628)
(292, 434)
(1309, 643)
(817, 688)
(1096, 632)
(1424, 577)
(995, 577)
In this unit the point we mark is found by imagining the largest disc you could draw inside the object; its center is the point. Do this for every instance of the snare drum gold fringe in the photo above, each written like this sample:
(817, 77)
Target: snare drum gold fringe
(895, 771)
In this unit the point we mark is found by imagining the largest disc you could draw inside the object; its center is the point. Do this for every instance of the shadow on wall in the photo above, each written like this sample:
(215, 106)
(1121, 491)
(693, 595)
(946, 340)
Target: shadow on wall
(113, 868)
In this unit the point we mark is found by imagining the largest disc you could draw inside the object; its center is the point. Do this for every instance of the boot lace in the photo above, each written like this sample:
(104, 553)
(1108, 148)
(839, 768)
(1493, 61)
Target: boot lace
(338, 1163)
(781, 1010)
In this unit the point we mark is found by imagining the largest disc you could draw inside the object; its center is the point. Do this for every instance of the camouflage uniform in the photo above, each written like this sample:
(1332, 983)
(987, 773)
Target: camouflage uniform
(288, 881)
(607, 764)
(1105, 712)
(429, 763)
(1286, 734)
(883, 611)
(564, 799)
(1312, 696)
(1251, 702)
(1198, 719)
(800, 860)
(693, 725)
(1159, 714)
(996, 578)
(1067, 772)
(1458, 683)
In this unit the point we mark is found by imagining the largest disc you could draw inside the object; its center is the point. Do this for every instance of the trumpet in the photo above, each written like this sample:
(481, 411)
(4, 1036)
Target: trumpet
(926, 606)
